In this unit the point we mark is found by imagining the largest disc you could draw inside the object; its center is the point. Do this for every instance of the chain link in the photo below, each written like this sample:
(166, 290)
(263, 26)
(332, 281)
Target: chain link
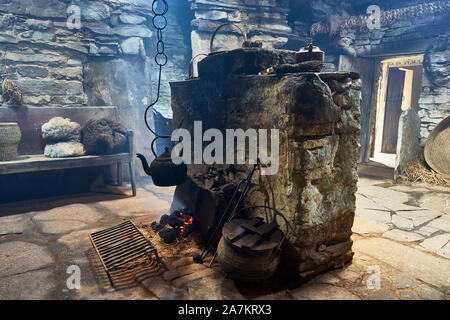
(159, 22)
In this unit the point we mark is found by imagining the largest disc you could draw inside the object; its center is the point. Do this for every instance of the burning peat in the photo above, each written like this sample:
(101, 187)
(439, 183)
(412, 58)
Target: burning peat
(177, 225)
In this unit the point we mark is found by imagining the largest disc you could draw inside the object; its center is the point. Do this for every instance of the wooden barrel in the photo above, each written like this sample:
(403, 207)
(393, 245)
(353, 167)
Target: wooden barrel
(244, 266)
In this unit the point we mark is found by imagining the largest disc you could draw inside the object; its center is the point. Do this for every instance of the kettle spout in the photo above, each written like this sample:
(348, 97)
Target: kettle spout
(144, 164)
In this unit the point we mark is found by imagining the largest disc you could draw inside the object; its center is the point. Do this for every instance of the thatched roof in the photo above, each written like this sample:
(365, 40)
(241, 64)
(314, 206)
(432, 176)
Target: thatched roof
(387, 17)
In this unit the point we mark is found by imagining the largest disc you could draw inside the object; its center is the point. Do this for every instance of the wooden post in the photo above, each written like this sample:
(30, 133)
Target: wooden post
(131, 162)
(119, 174)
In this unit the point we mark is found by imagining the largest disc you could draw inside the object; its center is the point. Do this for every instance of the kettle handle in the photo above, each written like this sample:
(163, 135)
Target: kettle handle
(164, 137)
(190, 73)
(211, 44)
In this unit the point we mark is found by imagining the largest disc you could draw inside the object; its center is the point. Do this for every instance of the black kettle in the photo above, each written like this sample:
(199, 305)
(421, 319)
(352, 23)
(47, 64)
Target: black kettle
(163, 171)
(309, 53)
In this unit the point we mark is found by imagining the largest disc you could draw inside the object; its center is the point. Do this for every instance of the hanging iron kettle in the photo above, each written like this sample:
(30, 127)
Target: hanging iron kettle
(309, 53)
(163, 171)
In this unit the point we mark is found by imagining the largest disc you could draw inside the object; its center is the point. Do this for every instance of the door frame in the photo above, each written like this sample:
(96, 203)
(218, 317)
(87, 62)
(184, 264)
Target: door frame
(380, 106)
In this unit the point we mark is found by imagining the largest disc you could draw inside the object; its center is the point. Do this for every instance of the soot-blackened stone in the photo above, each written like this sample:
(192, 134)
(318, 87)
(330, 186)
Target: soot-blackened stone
(163, 219)
(174, 221)
(188, 229)
(156, 226)
(169, 235)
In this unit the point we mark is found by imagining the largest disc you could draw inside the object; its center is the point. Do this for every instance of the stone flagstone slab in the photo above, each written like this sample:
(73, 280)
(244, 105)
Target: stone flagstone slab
(419, 217)
(80, 212)
(383, 193)
(393, 204)
(60, 226)
(404, 236)
(436, 201)
(34, 285)
(66, 218)
(13, 224)
(442, 223)
(428, 268)
(18, 257)
(427, 231)
(322, 292)
(364, 226)
(445, 251)
(404, 281)
(130, 207)
(402, 223)
(371, 210)
(428, 293)
(439, 244)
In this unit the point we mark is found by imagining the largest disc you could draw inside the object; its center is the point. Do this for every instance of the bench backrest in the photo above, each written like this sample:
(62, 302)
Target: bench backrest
(31, 119)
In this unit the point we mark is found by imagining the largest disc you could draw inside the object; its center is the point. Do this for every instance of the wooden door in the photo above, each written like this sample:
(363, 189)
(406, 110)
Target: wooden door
(366, 69)
(393, 110)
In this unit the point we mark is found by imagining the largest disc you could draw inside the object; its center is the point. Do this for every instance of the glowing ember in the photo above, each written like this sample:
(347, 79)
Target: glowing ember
(179, 224)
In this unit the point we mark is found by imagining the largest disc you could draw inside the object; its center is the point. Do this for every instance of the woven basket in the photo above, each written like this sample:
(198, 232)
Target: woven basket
(9, 140)
(437, 148)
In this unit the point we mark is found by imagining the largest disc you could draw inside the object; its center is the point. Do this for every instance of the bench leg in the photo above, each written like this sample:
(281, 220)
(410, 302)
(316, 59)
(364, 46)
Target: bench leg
(133, 177)
(119, 174)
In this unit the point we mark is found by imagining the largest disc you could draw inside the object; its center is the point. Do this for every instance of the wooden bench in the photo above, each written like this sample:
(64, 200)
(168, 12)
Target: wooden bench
(31, 148)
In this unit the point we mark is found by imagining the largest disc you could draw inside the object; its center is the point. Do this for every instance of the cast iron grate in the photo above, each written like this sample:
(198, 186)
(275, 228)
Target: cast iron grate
(119, 248)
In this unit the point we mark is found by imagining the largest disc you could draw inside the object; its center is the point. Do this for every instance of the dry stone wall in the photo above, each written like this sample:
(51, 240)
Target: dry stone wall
(264, 20)
(106, 60)
(416, 26)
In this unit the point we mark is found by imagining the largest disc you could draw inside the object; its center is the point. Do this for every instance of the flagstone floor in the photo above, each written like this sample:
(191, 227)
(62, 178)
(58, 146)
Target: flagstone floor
(401, 244)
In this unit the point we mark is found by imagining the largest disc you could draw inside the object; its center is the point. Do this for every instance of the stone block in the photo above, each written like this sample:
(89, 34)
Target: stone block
(32, 71)
(91, 11)
(61, 88)
(408, 140)
(131, 19)
(37, 24)
(133, 46)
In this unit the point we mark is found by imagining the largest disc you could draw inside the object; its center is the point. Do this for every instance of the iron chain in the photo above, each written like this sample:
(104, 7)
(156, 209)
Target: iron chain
(159, 22)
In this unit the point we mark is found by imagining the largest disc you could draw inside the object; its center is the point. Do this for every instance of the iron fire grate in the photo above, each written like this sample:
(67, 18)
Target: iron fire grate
(120, 246)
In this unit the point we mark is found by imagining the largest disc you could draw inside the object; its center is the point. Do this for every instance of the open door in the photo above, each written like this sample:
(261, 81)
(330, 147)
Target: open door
(393, 110)
(366, 69)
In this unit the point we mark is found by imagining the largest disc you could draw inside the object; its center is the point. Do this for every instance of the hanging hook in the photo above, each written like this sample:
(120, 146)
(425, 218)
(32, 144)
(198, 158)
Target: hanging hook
(161, 61)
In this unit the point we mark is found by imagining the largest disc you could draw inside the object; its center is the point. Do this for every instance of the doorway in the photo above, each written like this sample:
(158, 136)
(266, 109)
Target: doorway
(399, 88)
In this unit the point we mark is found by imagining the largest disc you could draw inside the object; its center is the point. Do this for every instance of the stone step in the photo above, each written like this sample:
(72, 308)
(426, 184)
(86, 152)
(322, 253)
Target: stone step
(183, 281)
(182, 262)
(189, 269)
(162, 289)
